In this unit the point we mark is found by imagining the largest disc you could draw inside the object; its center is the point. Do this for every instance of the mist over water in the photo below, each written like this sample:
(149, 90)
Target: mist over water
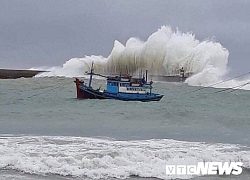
(165, 52)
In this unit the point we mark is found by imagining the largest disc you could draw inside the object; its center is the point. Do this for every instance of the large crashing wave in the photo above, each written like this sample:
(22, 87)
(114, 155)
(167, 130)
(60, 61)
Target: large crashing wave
(164, 53)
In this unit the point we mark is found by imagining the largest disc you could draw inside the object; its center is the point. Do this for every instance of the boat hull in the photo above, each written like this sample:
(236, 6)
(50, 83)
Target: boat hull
(85, 92)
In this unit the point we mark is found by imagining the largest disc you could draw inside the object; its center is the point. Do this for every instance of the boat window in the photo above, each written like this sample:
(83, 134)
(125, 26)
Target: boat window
(123, 84)
(112, 83)
(134, 89)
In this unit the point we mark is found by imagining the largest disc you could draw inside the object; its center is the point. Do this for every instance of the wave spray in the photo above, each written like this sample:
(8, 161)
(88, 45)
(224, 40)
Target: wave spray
(165, 52)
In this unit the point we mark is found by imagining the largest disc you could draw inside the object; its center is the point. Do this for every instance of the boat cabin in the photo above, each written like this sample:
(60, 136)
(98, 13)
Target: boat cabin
(126, 85)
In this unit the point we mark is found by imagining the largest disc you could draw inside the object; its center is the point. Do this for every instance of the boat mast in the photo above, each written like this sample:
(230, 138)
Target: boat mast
(91, 73)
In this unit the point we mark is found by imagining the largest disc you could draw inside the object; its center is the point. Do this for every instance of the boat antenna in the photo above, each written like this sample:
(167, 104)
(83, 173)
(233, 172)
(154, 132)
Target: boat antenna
(91, 73)
(219, 82)
(239, 87)
(233, 88)
(151, 82)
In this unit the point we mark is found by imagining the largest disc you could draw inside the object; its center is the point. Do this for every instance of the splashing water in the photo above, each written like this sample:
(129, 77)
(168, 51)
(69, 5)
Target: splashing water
(105, 159)
(164, 53)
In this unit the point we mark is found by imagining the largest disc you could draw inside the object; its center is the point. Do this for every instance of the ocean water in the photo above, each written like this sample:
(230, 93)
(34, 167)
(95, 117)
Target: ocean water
(46, 133)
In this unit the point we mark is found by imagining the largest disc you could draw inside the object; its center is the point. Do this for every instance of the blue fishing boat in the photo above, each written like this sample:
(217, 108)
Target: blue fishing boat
(118, 87)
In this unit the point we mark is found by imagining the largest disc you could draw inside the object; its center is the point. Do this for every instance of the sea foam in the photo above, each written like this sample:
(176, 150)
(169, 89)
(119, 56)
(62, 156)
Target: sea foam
(99, 158)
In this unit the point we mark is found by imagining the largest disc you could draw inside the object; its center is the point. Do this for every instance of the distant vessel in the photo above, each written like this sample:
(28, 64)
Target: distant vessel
(181, 77)
(174, 78)
(121, 88)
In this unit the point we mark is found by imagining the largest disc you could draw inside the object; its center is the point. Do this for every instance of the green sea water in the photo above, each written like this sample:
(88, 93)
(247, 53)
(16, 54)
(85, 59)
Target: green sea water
(38, 108)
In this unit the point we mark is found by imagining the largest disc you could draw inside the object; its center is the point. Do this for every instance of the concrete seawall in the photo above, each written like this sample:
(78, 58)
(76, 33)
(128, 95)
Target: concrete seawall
(14, 74)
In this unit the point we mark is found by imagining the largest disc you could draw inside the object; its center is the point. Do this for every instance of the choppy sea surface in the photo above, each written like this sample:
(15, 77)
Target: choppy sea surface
(46, 133)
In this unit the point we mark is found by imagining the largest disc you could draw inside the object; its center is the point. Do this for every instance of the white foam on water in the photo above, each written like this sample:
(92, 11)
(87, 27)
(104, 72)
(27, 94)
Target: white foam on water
(165, 52)
(75, 67)
(101, 158)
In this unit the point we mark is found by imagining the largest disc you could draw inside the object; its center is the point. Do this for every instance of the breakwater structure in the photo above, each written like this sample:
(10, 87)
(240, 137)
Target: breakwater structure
(14, 74)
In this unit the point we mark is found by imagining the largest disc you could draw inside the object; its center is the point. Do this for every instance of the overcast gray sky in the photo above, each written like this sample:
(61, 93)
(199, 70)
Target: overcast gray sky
(49, 32)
